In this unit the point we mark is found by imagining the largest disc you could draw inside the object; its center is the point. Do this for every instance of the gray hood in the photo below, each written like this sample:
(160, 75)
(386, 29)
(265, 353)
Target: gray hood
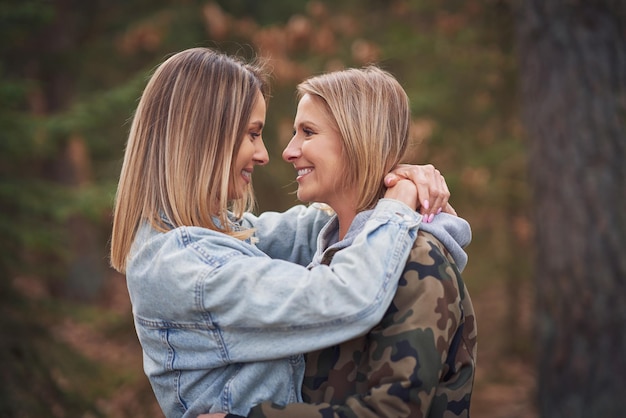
(453, 232)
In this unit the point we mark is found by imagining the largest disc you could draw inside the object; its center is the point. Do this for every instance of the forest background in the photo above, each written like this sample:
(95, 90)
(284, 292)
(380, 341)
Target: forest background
(71, 75)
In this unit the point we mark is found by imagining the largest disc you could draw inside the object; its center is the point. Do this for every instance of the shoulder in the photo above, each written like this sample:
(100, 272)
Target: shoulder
(189, 244)
(430, 280)
(212, 245)
(429, 257)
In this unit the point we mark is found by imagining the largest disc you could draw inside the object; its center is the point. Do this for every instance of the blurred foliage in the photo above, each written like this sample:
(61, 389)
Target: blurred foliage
(71, 74)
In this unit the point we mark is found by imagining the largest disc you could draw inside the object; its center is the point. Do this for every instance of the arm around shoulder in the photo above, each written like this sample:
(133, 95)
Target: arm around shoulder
(289, 235)
(311, 309)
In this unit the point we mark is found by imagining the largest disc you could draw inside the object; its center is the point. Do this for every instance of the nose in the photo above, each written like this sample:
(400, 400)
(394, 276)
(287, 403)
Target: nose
(261, 157)
(293, 150)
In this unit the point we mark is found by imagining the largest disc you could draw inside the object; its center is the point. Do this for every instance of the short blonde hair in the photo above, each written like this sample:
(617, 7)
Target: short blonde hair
(373, 116)
(185, 134)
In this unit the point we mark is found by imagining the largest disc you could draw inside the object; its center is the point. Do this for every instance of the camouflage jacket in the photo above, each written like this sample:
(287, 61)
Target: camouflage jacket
(419, 361)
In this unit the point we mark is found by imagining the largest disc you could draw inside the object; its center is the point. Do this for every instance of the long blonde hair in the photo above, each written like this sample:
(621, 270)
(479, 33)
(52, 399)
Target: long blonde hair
(185, 133)
(372, 113)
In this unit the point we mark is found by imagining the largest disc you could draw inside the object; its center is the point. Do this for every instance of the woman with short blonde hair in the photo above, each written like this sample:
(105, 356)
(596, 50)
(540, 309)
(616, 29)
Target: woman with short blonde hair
(419, 361)
(373, 146)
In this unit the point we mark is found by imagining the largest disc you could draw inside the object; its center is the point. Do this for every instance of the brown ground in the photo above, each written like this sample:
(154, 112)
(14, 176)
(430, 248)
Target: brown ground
(504, 384)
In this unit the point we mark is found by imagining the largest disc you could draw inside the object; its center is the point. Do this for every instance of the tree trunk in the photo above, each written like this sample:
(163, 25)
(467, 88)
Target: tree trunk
(573, 81)
(72, 167)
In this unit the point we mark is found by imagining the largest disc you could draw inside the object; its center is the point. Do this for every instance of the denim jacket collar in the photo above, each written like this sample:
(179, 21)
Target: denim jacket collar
(328, 239)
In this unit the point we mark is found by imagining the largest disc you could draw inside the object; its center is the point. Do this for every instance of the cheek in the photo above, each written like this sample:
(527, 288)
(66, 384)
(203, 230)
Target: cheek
(245, 155)
(338, 164)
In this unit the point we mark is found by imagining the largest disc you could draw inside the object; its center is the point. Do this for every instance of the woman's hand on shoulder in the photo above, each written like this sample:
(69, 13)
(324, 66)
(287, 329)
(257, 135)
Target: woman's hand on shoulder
(432, 190)
(404, 191)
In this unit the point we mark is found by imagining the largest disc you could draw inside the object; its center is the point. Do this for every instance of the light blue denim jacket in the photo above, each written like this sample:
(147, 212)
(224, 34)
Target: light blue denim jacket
(222, 325)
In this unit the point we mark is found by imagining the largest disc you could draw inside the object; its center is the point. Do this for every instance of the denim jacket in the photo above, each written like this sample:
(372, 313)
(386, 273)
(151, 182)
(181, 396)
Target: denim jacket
(222, 325)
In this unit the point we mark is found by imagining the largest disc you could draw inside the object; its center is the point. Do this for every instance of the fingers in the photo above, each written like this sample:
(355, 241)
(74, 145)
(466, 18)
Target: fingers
(391, 179)
(449, 209)
(442, 193)
(433, 192)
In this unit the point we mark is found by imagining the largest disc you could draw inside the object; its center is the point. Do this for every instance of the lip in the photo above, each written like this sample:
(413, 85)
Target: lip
(246, 175)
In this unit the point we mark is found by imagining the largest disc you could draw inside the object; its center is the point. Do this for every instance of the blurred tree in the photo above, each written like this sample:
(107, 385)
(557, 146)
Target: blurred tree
(53, 197)
(32, 207)
(264, 13)
(573, 75)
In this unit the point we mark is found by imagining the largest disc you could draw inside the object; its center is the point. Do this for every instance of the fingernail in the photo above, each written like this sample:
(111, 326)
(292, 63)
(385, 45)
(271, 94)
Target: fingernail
(439, 211)
(426, 204)
(431, 217)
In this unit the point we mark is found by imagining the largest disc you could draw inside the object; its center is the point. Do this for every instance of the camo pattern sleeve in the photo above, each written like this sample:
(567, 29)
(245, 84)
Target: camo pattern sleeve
(418, 362)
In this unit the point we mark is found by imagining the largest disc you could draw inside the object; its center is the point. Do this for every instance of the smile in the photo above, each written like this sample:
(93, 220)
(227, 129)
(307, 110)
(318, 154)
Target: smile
(304, 171)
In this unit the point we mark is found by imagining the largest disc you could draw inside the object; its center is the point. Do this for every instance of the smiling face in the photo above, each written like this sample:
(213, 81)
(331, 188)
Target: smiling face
(251, 151)
(316, 153)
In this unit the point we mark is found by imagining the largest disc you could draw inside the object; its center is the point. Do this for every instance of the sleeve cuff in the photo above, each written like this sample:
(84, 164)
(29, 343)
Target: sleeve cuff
(398, 209)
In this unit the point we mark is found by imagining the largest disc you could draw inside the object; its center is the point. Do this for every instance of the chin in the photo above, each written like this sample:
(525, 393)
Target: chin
(301, 196)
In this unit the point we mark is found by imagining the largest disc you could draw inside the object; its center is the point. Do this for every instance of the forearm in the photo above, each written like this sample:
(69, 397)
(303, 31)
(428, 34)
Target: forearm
(311, 309)
(289, 235)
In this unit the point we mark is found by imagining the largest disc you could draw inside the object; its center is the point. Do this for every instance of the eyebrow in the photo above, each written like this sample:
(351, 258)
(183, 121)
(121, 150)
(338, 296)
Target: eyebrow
(306, 122)
(258, 124)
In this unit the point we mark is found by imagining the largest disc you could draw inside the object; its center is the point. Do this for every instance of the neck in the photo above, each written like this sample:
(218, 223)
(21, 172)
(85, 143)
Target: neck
(345, 217)
(345, 208)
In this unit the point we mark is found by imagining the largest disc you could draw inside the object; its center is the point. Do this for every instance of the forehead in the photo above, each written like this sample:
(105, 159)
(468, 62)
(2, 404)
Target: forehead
(259, 107)
(314, 109)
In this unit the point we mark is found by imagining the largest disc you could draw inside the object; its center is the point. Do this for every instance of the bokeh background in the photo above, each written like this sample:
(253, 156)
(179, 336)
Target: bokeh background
(71, 75)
